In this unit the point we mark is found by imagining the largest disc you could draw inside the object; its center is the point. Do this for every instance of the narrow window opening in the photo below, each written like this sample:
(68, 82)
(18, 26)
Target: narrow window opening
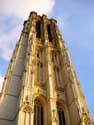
(38, 55)
(38, 113)
(38, 29)
(61, 116)
(52, 59)
(49, 33)
(41, 65)
(41, 115)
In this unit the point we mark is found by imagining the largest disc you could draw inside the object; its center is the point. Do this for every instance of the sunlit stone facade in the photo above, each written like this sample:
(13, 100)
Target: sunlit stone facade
(40, 86)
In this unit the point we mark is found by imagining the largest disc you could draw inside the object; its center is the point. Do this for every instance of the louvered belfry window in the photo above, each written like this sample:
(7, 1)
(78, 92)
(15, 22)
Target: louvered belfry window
(49, 32)
(38, 29)
(61, 115)
(38, 113)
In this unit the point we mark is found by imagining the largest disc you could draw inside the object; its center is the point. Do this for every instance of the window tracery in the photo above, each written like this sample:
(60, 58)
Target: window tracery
(38, 113)
(61, 115)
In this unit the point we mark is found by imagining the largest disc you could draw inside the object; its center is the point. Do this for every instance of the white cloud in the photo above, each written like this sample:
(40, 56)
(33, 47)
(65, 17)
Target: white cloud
(8, 41)
(19, 9)
(1, 82)
(23, 7)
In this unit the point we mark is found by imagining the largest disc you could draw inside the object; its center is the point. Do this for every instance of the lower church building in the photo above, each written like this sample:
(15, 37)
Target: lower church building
(41, 86)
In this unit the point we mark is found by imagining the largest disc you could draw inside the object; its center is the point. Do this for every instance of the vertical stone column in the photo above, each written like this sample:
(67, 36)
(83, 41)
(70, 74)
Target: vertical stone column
(52, 116)
(44, 51)
(52, 98)
(33, 58)
(28, 81)
(32, 36)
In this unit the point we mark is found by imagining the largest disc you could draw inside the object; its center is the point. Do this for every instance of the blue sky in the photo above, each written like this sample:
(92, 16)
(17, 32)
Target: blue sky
(76, 23)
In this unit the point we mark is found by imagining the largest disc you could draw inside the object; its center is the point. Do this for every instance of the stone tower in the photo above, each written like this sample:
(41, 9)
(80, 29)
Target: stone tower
(40, 86)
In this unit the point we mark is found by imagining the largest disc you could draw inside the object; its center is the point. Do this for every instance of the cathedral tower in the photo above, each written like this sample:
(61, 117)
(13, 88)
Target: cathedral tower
(40, 86)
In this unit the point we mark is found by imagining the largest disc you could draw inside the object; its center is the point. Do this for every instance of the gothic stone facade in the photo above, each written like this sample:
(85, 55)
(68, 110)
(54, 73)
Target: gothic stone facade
(40, 86)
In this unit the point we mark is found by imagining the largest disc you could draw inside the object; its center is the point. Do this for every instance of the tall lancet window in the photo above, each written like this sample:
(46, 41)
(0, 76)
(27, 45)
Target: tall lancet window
(49, 32)
(57, 63)
(56, 42)
(57, 70)
(39, 66)
(38, 113)
(61, 115)
(38, 29)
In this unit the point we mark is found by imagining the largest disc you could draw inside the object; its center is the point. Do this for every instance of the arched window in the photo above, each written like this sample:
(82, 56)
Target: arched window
(38, 113)
(49, 33)
(38, 29)
(61, 115)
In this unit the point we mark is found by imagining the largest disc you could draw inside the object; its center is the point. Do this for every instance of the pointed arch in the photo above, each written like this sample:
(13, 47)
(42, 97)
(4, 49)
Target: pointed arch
(39, 110)
(38, 113)
(60, 112)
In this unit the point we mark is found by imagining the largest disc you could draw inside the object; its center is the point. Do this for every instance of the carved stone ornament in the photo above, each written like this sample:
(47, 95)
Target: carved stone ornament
(26, 106)
(54, 115)
(39, 46)
(85, 119)
(52, 49)
(26, 27)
